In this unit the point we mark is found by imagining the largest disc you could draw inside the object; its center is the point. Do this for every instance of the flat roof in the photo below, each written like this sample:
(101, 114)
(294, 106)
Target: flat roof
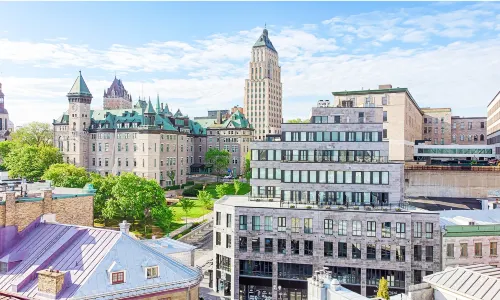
(472, 230)
(463, 217)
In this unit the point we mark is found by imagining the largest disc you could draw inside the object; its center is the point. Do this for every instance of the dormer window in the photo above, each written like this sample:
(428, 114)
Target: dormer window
(152, 272)
(117, 277)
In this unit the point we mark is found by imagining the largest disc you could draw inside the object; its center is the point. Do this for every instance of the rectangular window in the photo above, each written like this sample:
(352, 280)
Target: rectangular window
(308, 223)
(429, 253)
(295, 225)
(463, 250)
(493, 248)
(401, 230)
(478, 249)
(218, 217)
(228, 241)
(371, 228)
(218, 238)
(384, 133)
(385, 116)
(229, 220)
(256, 244)
(356, 250)
(356, 228)
(328, 249)
(308, 248)
(417, 230)
(385, 252)
(386, 229)
(428, 230)
(400, 253)
(281, 224)
(268, 245)
(417, 252)
(268, 223)
(281, 246)
(117, 277)
(328, 226)
(342, 251)
(371, 251)
(294, 247)
(255, 223)
(243, 222)
(417, 276)
(243, 247)
(342, 228)
(450, 250)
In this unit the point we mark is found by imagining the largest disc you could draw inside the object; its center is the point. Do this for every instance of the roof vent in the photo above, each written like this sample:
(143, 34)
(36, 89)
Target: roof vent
(472, 223)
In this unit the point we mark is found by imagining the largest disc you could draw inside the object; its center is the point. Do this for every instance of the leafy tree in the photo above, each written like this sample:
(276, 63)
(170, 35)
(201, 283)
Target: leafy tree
(222, 190)
(186, 206)
(298, 120)
(383, 289)
(237, 186)
(6, 147)
(163, 217)
(31, 162)
(219, 159)
(248, 170)
(67, 175)
(206, 199)
(104, 191)
(34, 134)
(171, 175)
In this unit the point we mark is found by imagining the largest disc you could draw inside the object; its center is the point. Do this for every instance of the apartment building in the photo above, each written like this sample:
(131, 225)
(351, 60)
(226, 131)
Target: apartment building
(323, 195)
(402, 117)
(468, 130)
(493, 123)
(437, 125)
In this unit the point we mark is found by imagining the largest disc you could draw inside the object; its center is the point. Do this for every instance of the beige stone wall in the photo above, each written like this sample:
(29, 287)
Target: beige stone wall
(74, 210)
(178, 295)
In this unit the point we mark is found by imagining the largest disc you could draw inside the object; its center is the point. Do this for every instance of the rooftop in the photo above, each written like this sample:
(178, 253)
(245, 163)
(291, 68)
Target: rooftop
(463, 217)
(79, 88)
(472, 230)
(168, 246)
(472, 282)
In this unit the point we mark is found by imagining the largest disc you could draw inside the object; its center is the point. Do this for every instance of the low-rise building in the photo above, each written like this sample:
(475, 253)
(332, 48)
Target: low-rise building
(437, 125)
(468, 130)
(454, 152)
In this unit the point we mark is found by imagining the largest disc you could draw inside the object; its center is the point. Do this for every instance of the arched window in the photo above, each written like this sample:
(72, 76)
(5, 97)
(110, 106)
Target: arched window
(469, 138)
(475, 138)
(481, 137)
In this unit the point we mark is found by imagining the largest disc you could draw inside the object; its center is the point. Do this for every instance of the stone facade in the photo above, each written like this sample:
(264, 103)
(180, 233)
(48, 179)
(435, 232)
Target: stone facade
(402, 116)
(5, 125)
(69, 209)
(50, 282)
(234, 140)
(116, 96)
(437, 125)
(263, 89)
(468, 131)
(239, 241)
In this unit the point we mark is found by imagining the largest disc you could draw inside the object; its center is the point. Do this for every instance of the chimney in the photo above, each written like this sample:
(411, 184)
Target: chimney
(125, 227)
(47, 200)
(385, 86)
(10, 208)
(50, 283)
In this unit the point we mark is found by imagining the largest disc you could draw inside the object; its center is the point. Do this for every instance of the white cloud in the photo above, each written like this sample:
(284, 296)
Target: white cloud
(413, 36)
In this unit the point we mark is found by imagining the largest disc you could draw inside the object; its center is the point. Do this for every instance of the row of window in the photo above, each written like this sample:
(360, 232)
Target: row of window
(338, 119)
(125, 147)
(333, 136)
(454, 151)
(337, 177)
(170, 161)
(329, 156)
(119, 277)
(478, 250)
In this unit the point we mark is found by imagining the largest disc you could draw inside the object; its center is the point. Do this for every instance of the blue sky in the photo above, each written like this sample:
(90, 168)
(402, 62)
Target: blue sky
(195, 54)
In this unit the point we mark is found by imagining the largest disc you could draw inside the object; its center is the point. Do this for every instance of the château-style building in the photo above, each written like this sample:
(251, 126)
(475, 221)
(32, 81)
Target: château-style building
(146, 139)
(5, 125)
(116, 96)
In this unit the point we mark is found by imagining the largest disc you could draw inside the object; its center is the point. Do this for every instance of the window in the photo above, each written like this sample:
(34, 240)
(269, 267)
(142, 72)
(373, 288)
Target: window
(417, 253)
(463, 250)
(450, 250)
(218, 218)
(386, 229)
(256, 244)
(328, 226)
(401, 230)
(268, 223)
(356, 228)
(493, 248)
(342, 228)
(371, 251)
(218, 238)
(308, 248)
(400, 253)
(295, 225)
(152, 272)
(294, 247)
(281, 246)
(255, 223)
(384, 133)
(117, 277)
(356, 250)
(385, 252)
(417, 230)
(478, 249)
(281, 224)
(342, 251)
(385, 116)
(428, 230)
(308, 223)
(417, 276)
(229, 221)
(328, 249)
(469, 126)
(243, 222)
(228, 241)
(429, 253)
(371, 228)
(268, 245)
(384, 100)
(243, 244)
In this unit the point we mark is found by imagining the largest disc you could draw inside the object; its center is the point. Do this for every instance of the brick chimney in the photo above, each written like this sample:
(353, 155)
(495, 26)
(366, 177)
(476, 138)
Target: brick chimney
(50, 283)
(125, 227)
(385, 86)
(47, 200)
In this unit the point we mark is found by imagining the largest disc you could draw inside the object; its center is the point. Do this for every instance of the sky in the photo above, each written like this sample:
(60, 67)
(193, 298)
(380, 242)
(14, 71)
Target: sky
(195, 55)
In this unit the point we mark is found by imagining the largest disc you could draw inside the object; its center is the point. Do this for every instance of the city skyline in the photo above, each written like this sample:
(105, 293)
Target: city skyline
(196, 60)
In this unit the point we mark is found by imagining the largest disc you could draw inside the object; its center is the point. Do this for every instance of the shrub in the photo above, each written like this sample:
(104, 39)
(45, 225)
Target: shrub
(190, 192)
(172, 187)
(197, 186)
(398, 209)
(189, 183)
(292, 206)
(309, 207)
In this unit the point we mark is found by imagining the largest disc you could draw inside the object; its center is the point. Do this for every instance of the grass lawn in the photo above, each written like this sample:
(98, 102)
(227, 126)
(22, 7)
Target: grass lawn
(244, 189)
(197, 211)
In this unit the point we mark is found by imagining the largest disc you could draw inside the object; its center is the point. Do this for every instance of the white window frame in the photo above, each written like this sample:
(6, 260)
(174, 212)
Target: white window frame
(151, 268)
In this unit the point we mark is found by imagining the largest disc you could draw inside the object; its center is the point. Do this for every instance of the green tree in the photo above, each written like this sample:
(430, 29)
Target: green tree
(67, 175)
(171, 175)
(31, 162)
(298, 120)
(222, 190)
(248, 169)
(34, 134)
(383, 289)
(186, 206)
(219, 159)
(163, 217)
(5, 148)
(104, 192)
(206, 199)
(237, 186)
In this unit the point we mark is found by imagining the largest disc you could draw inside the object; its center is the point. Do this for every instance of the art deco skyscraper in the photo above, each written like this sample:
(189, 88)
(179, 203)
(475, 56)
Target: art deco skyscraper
(263, 97)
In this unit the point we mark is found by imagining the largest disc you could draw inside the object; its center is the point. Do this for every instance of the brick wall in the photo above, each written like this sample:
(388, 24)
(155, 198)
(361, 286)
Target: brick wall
(69, 209)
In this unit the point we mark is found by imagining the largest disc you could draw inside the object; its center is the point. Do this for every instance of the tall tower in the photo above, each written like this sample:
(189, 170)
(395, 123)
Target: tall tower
(79, 99)
(4, 117)
(263, 97)
(116, 97)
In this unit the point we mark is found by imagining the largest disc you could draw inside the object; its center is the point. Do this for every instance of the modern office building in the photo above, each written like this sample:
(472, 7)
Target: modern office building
(323, 195)
(263, 89)
(402, 117)
(493, 123)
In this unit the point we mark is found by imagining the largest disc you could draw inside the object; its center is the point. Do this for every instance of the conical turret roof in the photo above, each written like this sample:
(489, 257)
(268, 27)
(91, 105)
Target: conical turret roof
(79, 87)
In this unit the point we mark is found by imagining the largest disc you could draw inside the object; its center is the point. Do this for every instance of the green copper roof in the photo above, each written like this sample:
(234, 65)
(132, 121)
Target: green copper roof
(264, 41)
(237, 120)
(472, 230)
(149, 108)
(178, 114)
(79, 87)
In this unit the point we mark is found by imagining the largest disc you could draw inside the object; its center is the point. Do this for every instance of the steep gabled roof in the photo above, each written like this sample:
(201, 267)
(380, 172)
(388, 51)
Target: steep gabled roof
(149, 109)
(264, 41)
(79, 87)
(178, 114)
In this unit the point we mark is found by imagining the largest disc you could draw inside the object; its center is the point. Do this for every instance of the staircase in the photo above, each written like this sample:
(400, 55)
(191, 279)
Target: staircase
(199, 235)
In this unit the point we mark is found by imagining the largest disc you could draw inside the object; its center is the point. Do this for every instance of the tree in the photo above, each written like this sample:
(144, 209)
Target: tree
(222, 190)
(248, 170)
(5, 148)
(298, 120)
(237, 186)
(219, 159)
(31, 162)
(206, 199)
(171, 175)
(383, 289)
(186, 206)
(163, 217)
(104, 191)
(67, 175)
(34, 134)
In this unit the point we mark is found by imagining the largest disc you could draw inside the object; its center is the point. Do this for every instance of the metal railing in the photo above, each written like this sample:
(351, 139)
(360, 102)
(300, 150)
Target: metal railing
(320, 159)
(452, 168)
